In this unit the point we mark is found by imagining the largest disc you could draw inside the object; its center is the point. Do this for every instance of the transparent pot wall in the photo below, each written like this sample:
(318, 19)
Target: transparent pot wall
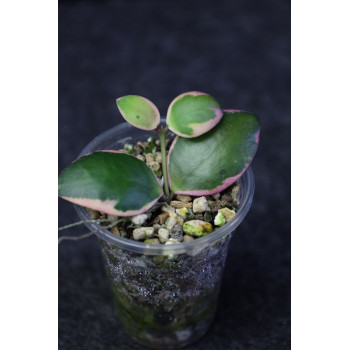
(166, 301)
(165, 295)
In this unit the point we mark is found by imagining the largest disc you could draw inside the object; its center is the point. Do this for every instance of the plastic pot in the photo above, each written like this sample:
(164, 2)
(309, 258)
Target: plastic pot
(165, 295)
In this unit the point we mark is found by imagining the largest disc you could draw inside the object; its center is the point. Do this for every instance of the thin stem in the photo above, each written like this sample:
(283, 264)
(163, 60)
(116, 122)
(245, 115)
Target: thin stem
(75, 238)
(83, 222)
(162, 136)
(86, 235)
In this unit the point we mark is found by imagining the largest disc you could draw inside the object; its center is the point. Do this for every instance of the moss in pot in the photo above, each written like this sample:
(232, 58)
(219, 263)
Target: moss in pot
(171, 222)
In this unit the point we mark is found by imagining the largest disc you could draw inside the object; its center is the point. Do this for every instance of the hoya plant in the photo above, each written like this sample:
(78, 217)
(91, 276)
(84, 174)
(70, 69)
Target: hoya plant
(212, 149)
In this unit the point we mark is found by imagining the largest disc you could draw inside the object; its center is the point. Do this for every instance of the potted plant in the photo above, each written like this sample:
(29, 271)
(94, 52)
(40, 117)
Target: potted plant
(164, 209)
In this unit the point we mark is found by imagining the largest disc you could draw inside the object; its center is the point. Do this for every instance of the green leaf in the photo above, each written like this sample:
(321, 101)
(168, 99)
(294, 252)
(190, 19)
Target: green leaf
(139, 112)
(193, 113)
(111, 182)
(212, 162)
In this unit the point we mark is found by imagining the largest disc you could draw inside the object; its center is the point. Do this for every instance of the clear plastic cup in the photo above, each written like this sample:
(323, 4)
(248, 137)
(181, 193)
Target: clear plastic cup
(165, 295)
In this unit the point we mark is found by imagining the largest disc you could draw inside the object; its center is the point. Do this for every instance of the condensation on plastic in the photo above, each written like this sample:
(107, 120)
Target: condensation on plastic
(114, 139)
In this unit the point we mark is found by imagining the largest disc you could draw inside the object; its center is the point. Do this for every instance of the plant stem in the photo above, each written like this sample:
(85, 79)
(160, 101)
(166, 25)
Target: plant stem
(86, 235)
(75, 238)
(83, 222)
(162, 136)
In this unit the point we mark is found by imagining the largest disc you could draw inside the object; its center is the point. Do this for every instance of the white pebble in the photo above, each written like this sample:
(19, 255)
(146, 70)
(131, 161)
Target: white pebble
(163, 235)
(158, 157)
(200, 205)
(171, 223)
(149, 158)
(171, 241)
(142, 233)
(139, 219)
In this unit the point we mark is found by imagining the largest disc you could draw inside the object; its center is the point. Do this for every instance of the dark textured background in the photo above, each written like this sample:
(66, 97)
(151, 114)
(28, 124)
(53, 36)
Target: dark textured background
(237, 51)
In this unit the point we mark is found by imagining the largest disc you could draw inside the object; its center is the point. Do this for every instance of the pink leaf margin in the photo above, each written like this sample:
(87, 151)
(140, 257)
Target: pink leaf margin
(227, 183)
(198, 128)
(153, 106)
(107, 206)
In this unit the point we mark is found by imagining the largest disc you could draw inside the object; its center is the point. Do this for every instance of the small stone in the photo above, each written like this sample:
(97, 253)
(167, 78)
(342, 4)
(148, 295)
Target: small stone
(219, 219)
(207, 216)
(218, 204)
(171, 241)
(94, 215)
(180, 221)
(184, 198)
(166, 208)
(185, 213)
(163, 235)
(128, 147)
(200, 205)
(179, 204)
(115, 230)
(226, 198)
(235, 194)
(149, 158)
(222, 203)
(177, 233)
(170, 223)
(141, 157)
(188, 238)
(160, 219)
(216, 196)
(197, 228)
(158, 157)
(182, 212)
(155, 166)
(139, 219)
(142, 233)
(152, 241)
(228, 213)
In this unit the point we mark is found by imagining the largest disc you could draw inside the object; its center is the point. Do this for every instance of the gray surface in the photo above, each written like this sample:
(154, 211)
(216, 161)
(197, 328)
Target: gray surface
(237, 51)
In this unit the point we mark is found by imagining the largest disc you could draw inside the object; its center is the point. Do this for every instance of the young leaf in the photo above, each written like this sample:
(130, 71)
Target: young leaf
(139, 112)
(111, 182)
(212, 162)
(193, 113)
